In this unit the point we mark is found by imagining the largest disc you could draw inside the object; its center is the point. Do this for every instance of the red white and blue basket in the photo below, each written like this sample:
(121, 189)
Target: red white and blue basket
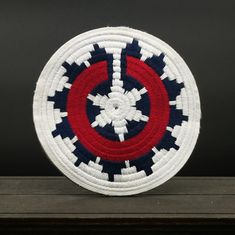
(117, 110)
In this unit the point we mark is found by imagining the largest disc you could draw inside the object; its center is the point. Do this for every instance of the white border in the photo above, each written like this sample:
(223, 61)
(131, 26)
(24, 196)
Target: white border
(164, 171)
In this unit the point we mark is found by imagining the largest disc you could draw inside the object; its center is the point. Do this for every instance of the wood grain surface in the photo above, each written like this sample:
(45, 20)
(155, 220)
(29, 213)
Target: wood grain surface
(186, 204)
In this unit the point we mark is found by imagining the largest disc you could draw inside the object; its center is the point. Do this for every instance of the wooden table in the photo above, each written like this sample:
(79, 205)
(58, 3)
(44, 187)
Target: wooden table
(54, 205)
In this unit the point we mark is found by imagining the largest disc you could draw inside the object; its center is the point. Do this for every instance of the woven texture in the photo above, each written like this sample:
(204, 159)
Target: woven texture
(117, 111)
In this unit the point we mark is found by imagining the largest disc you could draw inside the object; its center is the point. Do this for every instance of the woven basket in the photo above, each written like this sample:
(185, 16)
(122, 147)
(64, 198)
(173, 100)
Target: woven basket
(117, 110)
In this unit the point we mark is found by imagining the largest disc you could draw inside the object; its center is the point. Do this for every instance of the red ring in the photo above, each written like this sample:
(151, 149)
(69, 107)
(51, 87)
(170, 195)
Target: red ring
(136, 146)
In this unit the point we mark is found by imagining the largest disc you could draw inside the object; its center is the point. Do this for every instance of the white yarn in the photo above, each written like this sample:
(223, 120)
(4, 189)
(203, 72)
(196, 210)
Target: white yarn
(113, 39)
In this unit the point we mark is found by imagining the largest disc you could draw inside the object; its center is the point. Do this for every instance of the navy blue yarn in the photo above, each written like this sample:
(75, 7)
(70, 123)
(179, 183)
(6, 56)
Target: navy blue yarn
(157, 63)
(144, 104)
(173, 88)
(176, 116)
(167, 142)
(63, 129)
(129, 83)
(144, 163)
(102, 88)
(109, 167)
(132, 49)
(59, 100)
(133, 127)
(83, 154)
(108, 132)
(112, 168)
(73, 70)
(99, 54)
(92, 111)
(123, 63)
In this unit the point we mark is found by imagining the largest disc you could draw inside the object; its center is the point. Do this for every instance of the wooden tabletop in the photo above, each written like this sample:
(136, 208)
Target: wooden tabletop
(46, 202)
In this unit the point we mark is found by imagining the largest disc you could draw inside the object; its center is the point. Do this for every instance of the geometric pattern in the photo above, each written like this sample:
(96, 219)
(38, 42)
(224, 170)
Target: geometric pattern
(118, 107)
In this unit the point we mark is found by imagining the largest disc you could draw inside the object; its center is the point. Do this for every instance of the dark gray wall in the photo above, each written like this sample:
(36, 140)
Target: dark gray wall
(203, 32)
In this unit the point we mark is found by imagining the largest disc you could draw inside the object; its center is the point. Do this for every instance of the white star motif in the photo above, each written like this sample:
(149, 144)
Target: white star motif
(118, 107)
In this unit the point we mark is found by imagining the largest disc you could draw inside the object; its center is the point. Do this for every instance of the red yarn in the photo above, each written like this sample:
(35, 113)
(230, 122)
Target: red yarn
(114, 150)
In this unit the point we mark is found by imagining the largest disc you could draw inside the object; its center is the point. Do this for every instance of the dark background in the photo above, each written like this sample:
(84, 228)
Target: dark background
(203, 32)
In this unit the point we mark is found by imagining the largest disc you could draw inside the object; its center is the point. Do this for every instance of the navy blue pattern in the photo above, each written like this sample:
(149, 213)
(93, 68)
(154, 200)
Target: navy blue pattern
(176, 116)
(133, 127)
